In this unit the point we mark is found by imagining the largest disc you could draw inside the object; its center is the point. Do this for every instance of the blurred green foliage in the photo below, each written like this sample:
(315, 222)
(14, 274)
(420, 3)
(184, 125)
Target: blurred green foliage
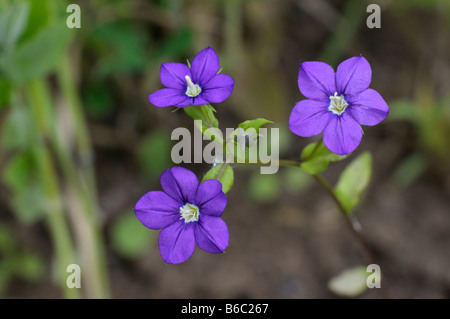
(118, 52)
(16, 262)
(23, 64)
(295, 180)
(27, 31)
(129, 237)
(264, 188)
(153, 153)
(350, 282)
(336, 47)
(17, 130)
(120, 48)
(28, 198)
(431, 122)
(33, 42)
(13, 21)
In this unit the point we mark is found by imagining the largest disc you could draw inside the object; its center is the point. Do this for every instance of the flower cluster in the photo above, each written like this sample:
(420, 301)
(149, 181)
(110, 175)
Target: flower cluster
(189, 213)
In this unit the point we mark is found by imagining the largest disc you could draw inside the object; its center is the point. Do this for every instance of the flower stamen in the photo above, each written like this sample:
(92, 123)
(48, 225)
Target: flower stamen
(337, 104)
(189, 213)
(192, 89)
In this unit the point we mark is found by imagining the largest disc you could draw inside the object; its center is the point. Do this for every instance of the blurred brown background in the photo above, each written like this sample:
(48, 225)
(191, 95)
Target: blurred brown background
(287, 239)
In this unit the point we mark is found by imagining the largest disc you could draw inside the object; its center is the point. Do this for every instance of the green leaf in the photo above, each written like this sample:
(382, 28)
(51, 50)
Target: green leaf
(129, 237)
(349, 283)
(17, 174)
(28, 199)
(250, 127)
(255, 124)
(29, 204)
(37, 56)
(12, 23)
(39, 16)
(226, 177)
(320, 158)
(17, 129)
(204, 113)
(353, 181)
(5, 92)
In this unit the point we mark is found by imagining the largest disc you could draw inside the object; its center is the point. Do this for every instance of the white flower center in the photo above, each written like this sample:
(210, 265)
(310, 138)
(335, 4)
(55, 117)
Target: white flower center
(189, 213)
(192, 89)
(337, 104)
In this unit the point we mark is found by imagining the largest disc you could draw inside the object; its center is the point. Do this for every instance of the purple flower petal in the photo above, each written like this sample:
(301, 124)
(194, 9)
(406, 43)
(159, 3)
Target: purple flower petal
(218, 89)
(199, 100)
(368, 108)
(309, 117)
(353, 76)
(177, 242)
(167, 97)
(156, 210)
(173, 75)
(342, 134)
(316, 80)
(190, 101)
(180, 184)
(204, 66)
(210, 198)
(211, 234)
(186, 103)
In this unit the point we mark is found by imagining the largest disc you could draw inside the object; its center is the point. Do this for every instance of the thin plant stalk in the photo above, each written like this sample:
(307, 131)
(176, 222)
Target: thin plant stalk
(86, 177)
(82, 210)
(55, 217)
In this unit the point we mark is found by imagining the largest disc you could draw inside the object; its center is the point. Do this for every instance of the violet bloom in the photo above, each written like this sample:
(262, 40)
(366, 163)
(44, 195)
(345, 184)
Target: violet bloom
(198, 85)
(338, 103)
(187, 213)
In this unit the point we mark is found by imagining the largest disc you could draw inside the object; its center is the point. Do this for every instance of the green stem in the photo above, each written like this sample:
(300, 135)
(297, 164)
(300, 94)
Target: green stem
(56, 221)
(324, 183)
(74, 106)
(285, 163)
(80, 204)
(234, 42)
(222, 169)
(89, 236)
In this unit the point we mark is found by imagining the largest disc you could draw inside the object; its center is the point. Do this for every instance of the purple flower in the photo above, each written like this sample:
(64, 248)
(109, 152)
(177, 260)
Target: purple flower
(198, 85)
(338, 103)
(187, 213)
